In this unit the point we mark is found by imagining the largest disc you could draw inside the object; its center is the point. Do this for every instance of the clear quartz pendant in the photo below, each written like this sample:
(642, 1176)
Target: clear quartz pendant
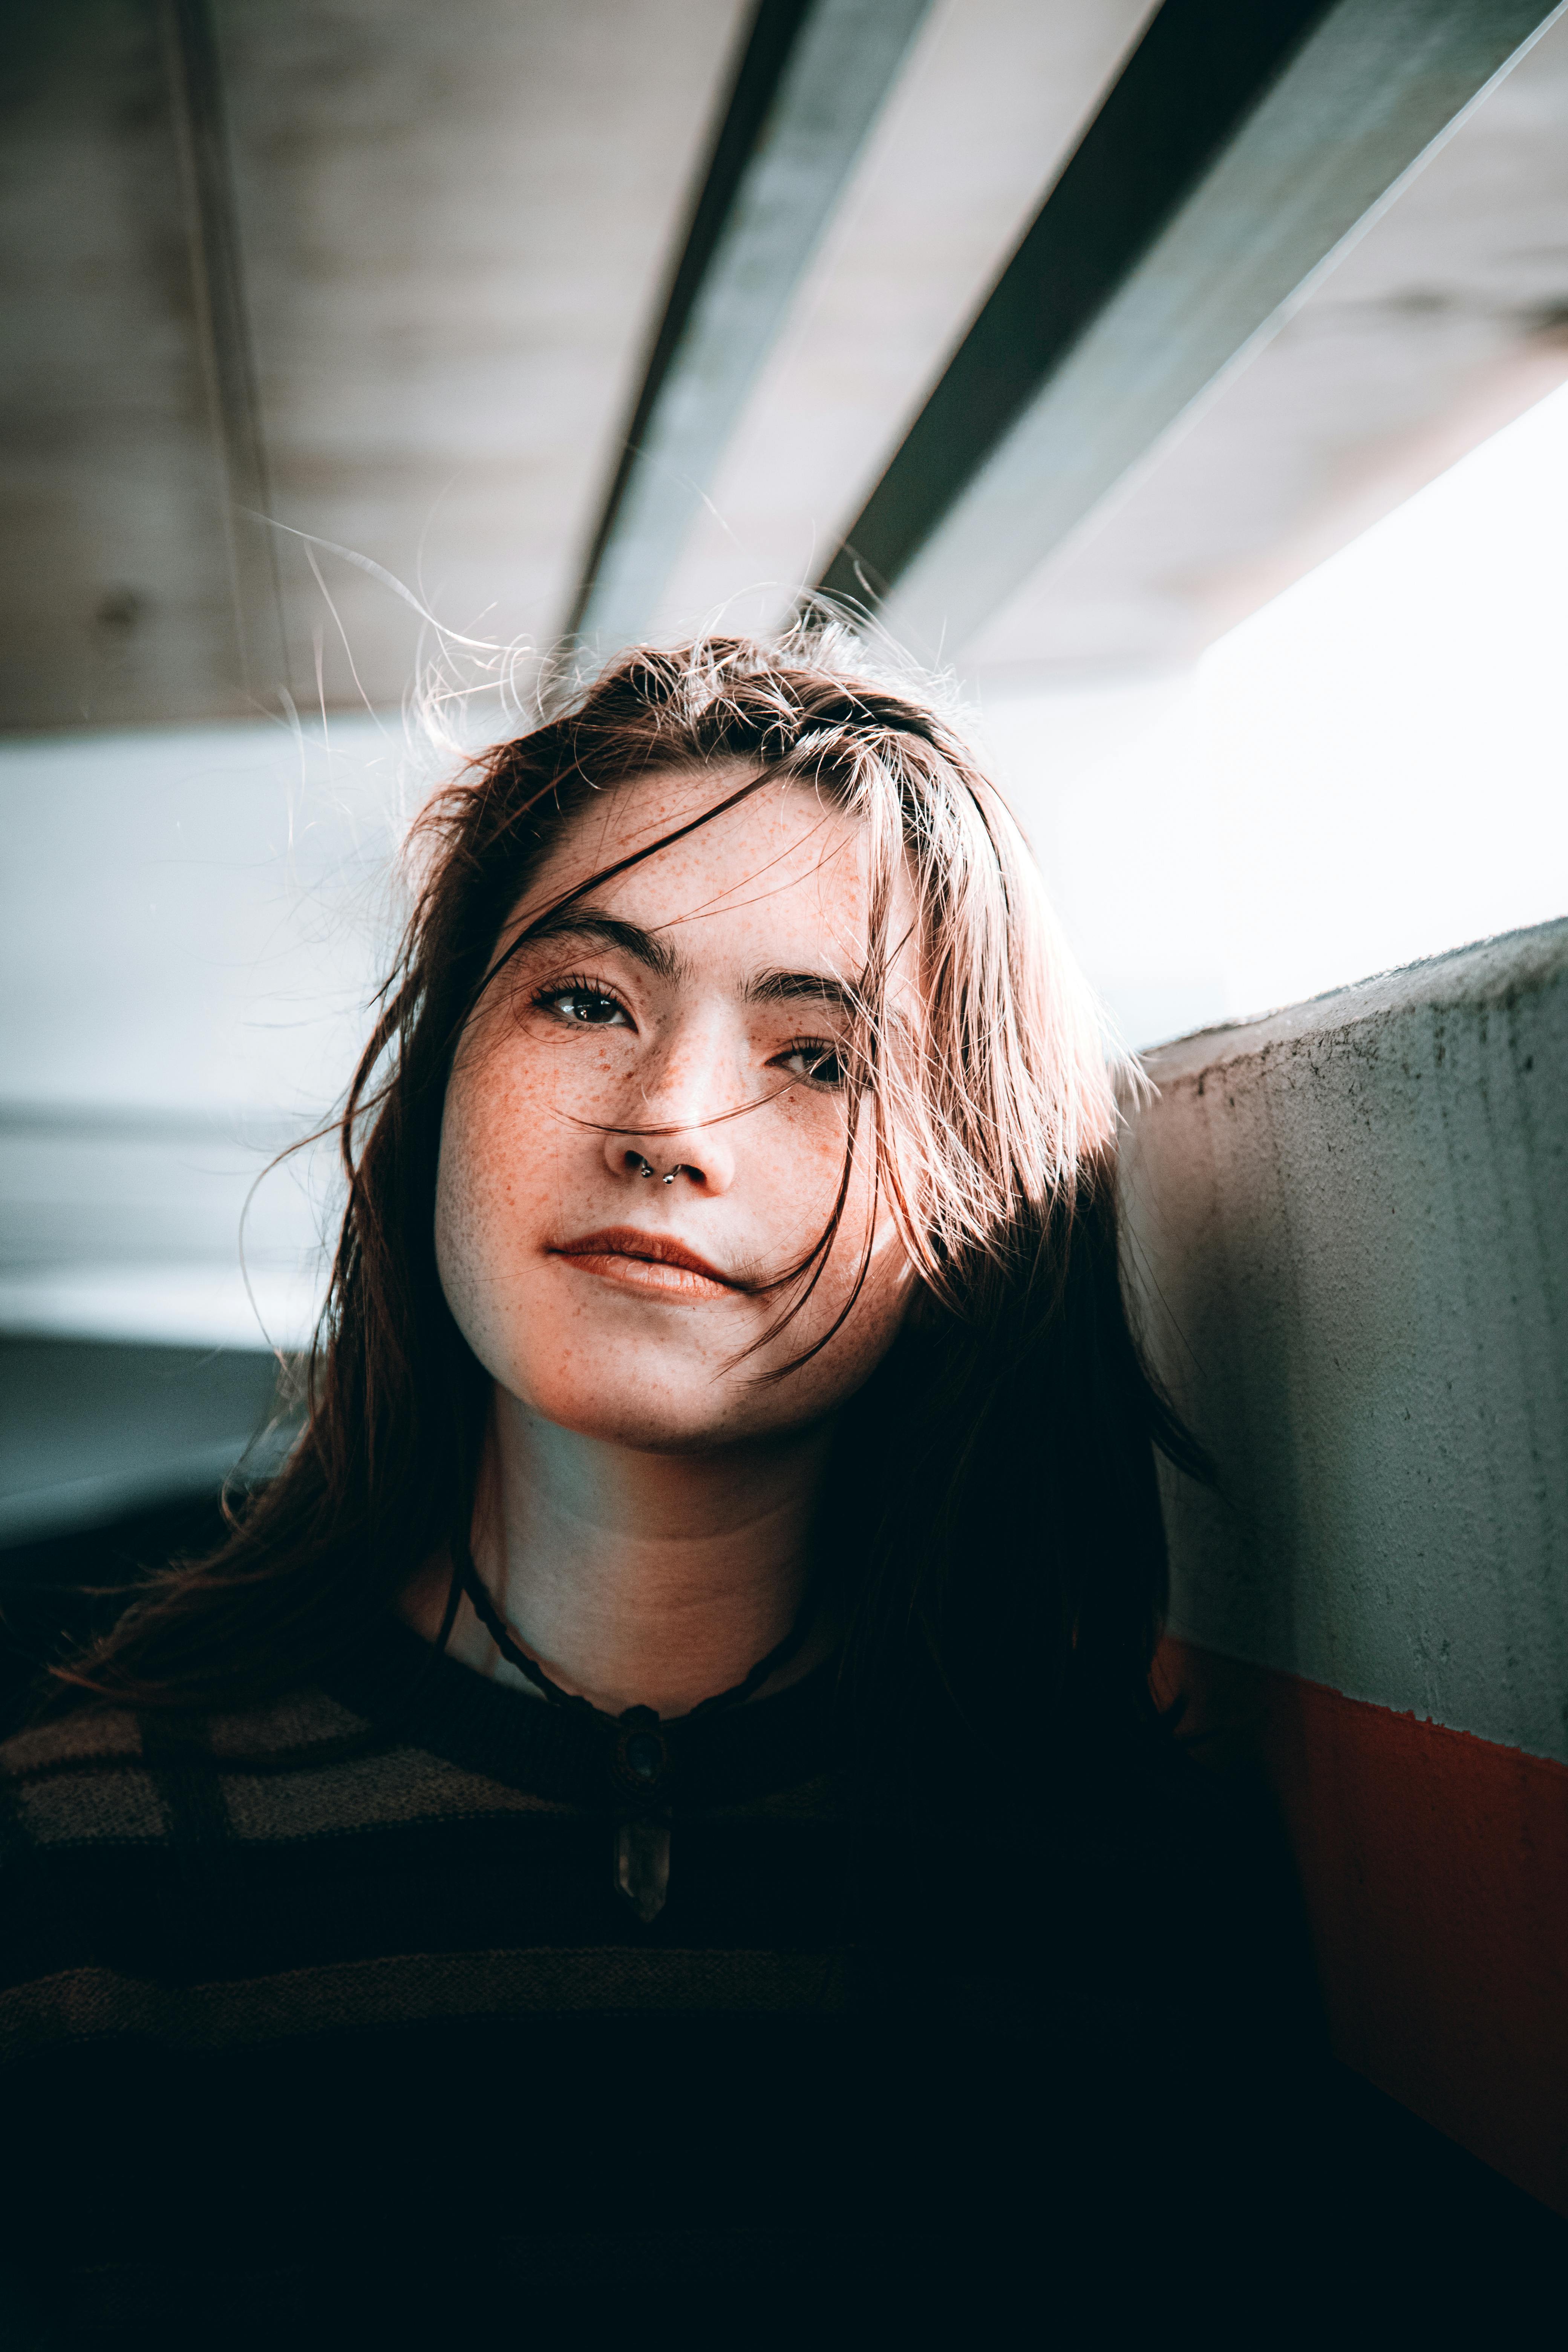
(642, 1866)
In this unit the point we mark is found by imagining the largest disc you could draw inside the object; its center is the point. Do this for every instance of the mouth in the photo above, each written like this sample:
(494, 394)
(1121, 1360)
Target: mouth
(646, 1262)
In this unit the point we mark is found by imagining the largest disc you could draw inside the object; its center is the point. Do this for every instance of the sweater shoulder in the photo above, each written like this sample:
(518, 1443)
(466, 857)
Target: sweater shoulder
(84, 1779)
(91, 1737)
(99, 1776)
(299, 1769)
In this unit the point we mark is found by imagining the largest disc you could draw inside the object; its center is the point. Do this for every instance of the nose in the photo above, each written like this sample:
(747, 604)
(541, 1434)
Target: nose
(687, 1140)
(675, 1155)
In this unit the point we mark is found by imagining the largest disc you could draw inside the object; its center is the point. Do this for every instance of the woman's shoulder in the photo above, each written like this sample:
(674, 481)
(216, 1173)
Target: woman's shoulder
(103, 1775)
(301, 1768)
(80, 1778)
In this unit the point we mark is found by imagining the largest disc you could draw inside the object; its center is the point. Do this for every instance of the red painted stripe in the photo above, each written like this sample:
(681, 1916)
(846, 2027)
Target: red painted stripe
(1435, 1868)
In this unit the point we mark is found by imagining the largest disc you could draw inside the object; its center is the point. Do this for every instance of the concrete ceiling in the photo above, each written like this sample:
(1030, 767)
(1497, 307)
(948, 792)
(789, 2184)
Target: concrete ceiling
(454, 226)
(1447, 317)
(395, 273)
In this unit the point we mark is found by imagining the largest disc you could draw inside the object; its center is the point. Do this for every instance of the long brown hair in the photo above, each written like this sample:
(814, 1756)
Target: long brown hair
(994, 1498)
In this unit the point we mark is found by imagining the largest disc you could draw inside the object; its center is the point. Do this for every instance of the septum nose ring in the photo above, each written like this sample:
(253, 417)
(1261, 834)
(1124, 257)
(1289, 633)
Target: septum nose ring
(645, 1168)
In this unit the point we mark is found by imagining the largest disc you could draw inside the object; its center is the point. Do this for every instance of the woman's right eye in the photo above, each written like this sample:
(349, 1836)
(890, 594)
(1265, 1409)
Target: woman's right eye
(590, 1007)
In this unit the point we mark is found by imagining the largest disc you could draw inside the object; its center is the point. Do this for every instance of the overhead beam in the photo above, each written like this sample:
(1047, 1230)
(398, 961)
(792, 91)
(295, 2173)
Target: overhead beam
(223, 326)
(811, 81)
(1239, 152)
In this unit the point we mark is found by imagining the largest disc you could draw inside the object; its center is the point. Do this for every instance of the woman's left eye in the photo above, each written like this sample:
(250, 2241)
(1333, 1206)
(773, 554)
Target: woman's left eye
(588, 1006)
(815, 1059)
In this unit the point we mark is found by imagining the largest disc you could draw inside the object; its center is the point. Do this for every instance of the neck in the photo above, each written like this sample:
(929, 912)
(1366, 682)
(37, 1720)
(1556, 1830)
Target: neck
(636, 1578)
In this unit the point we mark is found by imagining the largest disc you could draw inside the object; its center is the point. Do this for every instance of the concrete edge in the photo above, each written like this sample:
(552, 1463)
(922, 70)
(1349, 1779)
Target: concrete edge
(1489, 971)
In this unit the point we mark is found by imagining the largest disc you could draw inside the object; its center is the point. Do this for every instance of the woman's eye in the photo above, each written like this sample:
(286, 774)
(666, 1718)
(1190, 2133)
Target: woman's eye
(821, 1063)
(588, 1006)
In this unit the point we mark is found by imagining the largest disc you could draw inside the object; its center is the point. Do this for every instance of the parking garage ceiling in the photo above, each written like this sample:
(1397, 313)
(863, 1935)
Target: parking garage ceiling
(1065, 335)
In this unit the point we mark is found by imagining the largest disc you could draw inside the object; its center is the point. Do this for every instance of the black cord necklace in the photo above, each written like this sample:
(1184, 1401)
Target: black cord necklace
(640, 1762)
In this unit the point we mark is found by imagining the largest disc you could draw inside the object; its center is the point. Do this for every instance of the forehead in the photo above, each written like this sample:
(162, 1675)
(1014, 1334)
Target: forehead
(784, 864)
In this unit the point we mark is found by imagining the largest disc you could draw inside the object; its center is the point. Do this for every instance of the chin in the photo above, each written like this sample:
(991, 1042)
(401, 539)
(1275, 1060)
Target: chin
(701, 1410)
(653, 1414)
(612, 1379)
(653, 1407)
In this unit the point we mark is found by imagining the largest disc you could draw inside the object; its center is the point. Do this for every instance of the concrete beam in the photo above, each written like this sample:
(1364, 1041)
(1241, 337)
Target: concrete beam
(1238, 155)
(812, 80)
(115, 600)
(222, 325)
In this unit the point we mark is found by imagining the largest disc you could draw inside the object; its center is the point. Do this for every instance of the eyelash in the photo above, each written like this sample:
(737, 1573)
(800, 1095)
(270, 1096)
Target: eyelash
(826, 1049)
(579, 984)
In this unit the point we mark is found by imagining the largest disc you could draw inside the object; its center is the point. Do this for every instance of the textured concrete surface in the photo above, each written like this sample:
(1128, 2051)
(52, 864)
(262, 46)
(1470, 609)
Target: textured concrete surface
(453, 228)
(1349, 1224)
(116, 594)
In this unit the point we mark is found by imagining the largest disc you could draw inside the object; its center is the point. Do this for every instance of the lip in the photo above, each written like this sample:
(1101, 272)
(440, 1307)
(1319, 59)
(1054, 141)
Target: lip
(656, 1263)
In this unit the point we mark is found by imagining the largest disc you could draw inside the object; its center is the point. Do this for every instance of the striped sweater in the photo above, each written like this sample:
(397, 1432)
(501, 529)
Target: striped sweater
(331, 2018)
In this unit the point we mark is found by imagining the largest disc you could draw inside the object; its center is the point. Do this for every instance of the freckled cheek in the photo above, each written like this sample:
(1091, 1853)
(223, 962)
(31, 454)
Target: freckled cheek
(797, 1169)
(505, 1153)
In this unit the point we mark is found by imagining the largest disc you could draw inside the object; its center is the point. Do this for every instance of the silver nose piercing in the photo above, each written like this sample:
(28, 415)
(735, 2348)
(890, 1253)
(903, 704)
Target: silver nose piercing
(644, 1167)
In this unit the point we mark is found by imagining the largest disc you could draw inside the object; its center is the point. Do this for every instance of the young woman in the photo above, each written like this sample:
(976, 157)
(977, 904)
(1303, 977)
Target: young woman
(659, 1805)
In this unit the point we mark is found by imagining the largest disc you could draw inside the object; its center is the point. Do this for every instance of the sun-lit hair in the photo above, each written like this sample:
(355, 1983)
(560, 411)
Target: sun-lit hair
(993, 1502)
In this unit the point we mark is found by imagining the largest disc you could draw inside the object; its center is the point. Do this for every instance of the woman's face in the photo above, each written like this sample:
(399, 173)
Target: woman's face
(684, 1017)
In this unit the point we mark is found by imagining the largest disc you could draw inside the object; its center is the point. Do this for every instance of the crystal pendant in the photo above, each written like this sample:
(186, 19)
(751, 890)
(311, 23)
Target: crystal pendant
(642, 1866)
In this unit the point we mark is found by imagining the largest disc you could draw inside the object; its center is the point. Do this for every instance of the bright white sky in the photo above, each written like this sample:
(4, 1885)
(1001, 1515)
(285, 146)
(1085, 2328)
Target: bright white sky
(1372, 769)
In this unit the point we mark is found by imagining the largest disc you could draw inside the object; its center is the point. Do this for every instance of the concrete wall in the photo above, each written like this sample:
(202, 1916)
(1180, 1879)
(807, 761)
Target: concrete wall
(1350, 1225)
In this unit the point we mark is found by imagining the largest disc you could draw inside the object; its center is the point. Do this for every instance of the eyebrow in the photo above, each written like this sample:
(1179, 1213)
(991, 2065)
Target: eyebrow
(610, 931)
(777, 987)
(789, 987)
